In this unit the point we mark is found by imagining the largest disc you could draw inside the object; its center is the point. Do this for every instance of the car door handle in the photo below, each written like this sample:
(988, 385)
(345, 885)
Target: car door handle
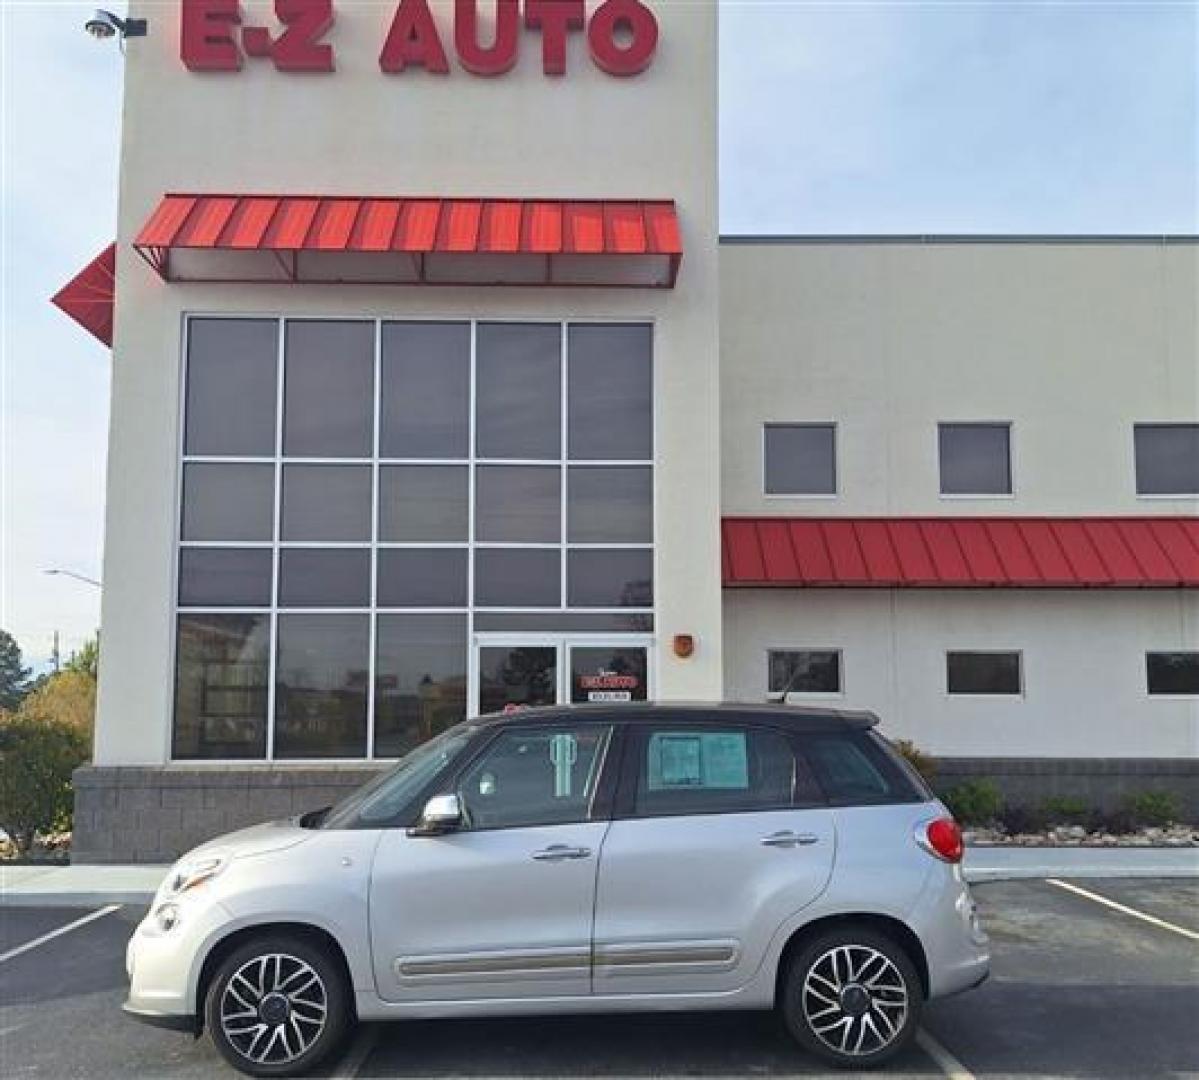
(786, 838)
(558, 852)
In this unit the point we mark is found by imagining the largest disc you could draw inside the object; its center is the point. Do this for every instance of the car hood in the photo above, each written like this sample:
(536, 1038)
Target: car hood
(256, 840)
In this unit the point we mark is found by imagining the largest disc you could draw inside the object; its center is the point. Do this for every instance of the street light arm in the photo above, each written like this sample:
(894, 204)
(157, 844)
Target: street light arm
(56, 571)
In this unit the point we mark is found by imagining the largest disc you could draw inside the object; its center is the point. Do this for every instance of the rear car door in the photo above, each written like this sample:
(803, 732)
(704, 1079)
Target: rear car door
(501, 908)
(720, 835)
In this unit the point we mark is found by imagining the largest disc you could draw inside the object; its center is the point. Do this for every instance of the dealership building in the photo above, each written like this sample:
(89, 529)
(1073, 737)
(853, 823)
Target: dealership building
(436, 391)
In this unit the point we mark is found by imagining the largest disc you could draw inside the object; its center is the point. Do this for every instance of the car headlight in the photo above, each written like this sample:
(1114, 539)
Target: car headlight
(166, 917)
(192, 873)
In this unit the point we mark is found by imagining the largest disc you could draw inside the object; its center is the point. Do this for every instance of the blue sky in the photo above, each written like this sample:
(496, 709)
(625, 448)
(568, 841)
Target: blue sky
(835, 118)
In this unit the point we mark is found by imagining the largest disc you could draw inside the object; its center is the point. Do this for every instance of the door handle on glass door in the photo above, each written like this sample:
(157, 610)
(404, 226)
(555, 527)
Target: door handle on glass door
(558, 852)
(789, 839)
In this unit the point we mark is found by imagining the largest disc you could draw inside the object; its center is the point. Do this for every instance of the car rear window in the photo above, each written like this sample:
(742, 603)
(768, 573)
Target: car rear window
(853, 767)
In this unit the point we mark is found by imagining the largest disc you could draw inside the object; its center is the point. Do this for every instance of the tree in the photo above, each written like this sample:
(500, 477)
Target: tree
(14, 678)
(87, 660)
(66, 698)
(36, 761)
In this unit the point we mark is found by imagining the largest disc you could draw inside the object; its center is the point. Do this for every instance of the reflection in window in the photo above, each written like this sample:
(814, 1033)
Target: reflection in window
(423, 503)
(328, 389)
(225, 577)
(228, 502)
(610, 390)
(983, 673)
(610, 578)
(1172, 672)
(518, 369)
(804, 671)
(976, 459)
(425, 396)
(326, 502)
(420, 679)
(221, 686)
(800, 459)
(1167, 459)
(321, 674)
(319, 577)
(518, 577)
(610, 505)
(232, 388)
(518, 504)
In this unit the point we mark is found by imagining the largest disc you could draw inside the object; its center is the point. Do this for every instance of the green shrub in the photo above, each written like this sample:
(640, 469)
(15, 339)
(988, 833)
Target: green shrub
(37, 757)
(1152, 809)
(1067, 810)
(975, 802)
(1023, 819)
(923, 763)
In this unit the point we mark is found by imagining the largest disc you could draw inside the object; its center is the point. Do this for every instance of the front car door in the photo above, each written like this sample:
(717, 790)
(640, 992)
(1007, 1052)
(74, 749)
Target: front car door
(720, 835)
(501, 908)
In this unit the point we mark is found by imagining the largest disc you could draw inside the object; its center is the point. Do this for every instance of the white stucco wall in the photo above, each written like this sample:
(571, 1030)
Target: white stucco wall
(1083, 664)
(1071, 343)
(359, 132)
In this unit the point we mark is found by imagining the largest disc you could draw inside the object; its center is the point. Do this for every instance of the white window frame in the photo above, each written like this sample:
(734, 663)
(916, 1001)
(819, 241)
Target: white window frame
(968, 496)
(276, 544)
(1158, 495)
(809, 695)
(815, 495)
(958, 696)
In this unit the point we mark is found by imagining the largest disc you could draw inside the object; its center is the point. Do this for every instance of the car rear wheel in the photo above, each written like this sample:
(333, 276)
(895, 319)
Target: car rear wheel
(277, 1006)
(852, 997)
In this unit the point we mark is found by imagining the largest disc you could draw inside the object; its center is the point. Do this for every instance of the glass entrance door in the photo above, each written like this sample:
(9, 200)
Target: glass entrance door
(513, 672)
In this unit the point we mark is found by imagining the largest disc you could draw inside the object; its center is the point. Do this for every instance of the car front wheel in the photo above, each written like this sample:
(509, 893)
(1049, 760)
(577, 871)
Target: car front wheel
(852, 997)
(277, 1006)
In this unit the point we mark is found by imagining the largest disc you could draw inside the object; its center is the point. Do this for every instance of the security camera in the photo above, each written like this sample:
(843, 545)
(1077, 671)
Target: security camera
(104, 25)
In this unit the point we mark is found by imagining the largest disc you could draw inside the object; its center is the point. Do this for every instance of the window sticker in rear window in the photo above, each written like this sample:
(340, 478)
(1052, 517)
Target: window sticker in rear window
(706, 760)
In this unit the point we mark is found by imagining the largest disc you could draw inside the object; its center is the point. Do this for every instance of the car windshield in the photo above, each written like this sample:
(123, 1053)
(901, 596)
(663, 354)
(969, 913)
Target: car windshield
(386, 795)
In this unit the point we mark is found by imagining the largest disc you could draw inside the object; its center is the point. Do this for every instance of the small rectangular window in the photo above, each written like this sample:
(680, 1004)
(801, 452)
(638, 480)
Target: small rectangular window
(518, 577)
(800, 459)
(1167, 459)
(424, 503)
(518, 504)
(225, 577)
(1172, 673)
(228, 502)
(983, 673)
(804, 671)
(320, 577)
(976, 459)
(422, 577)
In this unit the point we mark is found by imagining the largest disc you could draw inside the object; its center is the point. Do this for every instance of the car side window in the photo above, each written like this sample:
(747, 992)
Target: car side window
(713, 770)
(851, 769)
(535, 776)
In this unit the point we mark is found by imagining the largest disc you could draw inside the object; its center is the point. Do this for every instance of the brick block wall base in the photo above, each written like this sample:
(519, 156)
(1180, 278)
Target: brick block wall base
(153, 815)
(127, 814)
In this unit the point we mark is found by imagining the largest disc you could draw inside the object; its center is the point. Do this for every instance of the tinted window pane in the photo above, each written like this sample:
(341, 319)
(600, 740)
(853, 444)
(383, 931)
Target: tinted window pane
(320, 686)
(517, 676)
(800, 459)
(517, 578)
(805, 671)
(1173, 672)
(983, 672)
(519, 390)
(228, 502)
(326, 502)
(224, 577)
(319, 578)
(712, 771)
(613, 506)
(328, 389)
(1167, 459)
(420, 679)
(221, 672)
(232, 367)
(433, 577)
(610, 579)
(610, 390)
(975, 459)
(585, 622)
(423, 502)
(853, 768)
(545, 776)
(516, 503)
(425, 410)
(608, 674)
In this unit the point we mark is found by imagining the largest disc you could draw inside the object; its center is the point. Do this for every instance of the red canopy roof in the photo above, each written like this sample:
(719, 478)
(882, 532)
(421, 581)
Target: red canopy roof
(422, 241)
(89, 296)
(1008, 552)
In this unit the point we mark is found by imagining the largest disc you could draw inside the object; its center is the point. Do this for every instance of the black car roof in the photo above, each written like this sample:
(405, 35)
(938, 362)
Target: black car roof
(796, 717)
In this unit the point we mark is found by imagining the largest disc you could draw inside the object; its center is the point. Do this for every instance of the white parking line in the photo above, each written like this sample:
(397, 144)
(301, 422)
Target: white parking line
(358, 1053)
(949, 1065)
(59, 932)
(1153, 920)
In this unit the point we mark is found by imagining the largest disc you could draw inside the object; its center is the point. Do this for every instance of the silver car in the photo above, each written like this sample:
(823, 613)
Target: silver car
(570, 860)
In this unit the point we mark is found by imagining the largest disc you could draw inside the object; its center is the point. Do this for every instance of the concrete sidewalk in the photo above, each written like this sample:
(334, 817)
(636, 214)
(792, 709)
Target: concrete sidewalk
(80, 886)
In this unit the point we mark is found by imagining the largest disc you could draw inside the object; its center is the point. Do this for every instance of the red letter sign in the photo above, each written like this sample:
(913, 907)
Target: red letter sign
(556, 19)
(299, 47)
(638, 22)
(413, 40)
(501, 56)
(206, 38)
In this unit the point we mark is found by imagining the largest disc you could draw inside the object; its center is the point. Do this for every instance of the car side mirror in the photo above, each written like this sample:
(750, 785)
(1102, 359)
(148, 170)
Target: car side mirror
(442, 814)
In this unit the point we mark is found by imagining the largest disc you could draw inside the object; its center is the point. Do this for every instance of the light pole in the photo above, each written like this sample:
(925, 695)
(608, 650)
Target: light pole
(56, 571)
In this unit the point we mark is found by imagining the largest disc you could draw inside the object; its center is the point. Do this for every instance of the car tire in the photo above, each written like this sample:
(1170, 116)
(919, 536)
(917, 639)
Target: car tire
(852, 997)
(277, 1006)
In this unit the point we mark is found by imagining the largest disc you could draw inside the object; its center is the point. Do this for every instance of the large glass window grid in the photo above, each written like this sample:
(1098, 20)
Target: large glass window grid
(366, 574)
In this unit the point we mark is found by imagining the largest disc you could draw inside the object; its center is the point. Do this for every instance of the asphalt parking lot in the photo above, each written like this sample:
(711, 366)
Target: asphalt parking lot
(1079, 989)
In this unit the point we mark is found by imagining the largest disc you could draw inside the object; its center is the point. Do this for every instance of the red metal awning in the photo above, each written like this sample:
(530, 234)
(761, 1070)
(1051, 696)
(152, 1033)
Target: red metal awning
(405, 241)
(1010, 552)
(89, 297)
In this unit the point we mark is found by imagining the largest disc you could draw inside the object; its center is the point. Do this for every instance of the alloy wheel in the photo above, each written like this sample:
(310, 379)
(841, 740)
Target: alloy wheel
(273, 1009)
(854, 1000)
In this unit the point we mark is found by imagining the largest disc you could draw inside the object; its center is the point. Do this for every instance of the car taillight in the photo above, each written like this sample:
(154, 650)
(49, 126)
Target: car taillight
(941, 838)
